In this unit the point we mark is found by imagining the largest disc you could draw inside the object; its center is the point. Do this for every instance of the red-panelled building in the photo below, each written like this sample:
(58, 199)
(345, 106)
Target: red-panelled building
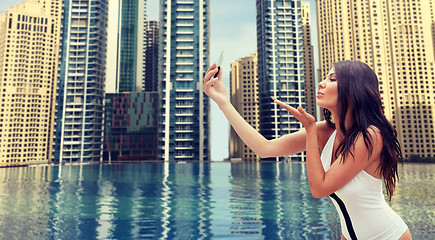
(131, 122)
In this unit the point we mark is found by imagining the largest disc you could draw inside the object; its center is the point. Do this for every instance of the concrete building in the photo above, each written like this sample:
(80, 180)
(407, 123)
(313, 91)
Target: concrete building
(281, 67)
(396, 39)
(29, 45)
(309, 71)
(244, 97)
(80, 94)
(184, 52)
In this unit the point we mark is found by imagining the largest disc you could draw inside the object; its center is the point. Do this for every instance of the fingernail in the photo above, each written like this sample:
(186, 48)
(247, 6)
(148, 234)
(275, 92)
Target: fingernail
(273, 99)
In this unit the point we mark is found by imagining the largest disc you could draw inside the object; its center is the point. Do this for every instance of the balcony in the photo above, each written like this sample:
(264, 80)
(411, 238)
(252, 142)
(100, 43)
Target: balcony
(184, 79)
(184, 40)
(184, 98)
(183, 131)
(183, 123)
(185, 17)
(184, 55)
(185, 2)
(184, 139)
(184, 148)
(184, 9)
(184, 114)
(184, 24)
(184, 48)
(184, 33)
(184, 106)
(184, 63)
(183, 156)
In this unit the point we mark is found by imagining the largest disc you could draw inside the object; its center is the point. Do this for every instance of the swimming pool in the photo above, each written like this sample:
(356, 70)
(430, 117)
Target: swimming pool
(217, 200)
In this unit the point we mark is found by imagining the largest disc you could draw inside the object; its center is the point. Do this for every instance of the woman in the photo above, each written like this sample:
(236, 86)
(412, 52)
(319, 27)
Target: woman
(359, 148)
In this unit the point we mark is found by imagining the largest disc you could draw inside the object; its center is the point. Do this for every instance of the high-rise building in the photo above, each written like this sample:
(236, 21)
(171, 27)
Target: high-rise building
(432, 14)
(130, 45)
(80, 94)
(130, 126)
(29, 46)
(281, 75)
(184, 61)
(395, 38)
(244, 97)
(309, 72)
(150, 81)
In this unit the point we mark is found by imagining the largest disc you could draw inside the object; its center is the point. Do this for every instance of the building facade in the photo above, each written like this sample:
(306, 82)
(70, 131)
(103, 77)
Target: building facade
(150, 81)
(29, 45)
(309, 71)
(396, 39)
(130, 45)
(130, 126)
(80, 96)
(281, 69)
(244, 97)
(184, 52)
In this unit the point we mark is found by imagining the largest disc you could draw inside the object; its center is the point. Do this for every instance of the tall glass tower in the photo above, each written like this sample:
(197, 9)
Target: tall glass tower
(280, 66)
(80, 98)
(184, 51)
(150, 82)
(131, 45)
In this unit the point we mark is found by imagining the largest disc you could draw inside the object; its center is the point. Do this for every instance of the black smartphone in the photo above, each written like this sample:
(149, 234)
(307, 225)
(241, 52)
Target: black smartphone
(219, 62)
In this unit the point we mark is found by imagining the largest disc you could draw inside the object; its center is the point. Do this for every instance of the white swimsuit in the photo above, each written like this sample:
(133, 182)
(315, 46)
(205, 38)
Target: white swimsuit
(364, 213)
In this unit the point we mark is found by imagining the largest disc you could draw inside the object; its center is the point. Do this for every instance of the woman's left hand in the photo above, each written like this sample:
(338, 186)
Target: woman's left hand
(305, 118)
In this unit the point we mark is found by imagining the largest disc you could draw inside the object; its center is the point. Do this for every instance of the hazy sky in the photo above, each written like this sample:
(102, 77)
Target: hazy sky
(232, 29)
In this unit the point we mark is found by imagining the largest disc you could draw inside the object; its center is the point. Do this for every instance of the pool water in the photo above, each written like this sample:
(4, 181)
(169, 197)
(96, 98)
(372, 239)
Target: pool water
(217, 200)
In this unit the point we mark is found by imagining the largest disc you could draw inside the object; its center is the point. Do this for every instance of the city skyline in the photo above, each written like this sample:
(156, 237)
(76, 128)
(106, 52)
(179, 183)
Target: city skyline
(236, 41)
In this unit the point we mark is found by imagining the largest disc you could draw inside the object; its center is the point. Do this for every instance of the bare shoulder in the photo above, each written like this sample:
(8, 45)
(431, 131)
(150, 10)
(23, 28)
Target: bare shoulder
(324, 131)
(376, 136)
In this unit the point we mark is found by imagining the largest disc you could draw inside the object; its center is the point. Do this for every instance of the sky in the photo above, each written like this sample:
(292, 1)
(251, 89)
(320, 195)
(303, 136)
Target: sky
(232, 30)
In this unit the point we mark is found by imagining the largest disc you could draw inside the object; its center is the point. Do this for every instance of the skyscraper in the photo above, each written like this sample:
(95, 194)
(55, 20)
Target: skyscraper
(151, 56)
(184, 51)
(80, 98)
(281, 67)
(29, 45)
(395, 38)
(309, 72)
(131, 45)
(244, 97)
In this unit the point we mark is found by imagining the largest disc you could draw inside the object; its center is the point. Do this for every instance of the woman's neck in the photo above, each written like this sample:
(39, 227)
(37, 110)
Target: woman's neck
(348, 120)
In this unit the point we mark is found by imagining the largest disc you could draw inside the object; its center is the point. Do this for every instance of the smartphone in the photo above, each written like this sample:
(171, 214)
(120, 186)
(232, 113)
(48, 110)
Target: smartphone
(219, 62)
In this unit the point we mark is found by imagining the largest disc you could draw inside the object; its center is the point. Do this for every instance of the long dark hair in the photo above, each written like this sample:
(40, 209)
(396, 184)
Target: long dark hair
(358, 87)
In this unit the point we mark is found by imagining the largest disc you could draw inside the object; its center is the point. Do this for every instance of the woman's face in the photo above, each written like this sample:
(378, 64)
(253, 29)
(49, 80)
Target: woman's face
(327, 95)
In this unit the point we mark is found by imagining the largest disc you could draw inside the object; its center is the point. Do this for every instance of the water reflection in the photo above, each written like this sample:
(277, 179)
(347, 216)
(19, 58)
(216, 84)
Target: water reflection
(414, 199)
(24, 203)
(186, 201)
(273, 201)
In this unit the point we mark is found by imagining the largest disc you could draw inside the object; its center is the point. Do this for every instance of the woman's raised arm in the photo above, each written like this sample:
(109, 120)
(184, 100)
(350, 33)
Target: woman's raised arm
(285, 145)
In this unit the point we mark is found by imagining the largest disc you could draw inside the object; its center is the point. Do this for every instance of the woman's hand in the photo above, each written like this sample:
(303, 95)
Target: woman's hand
(305, 118)
(214, 87)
